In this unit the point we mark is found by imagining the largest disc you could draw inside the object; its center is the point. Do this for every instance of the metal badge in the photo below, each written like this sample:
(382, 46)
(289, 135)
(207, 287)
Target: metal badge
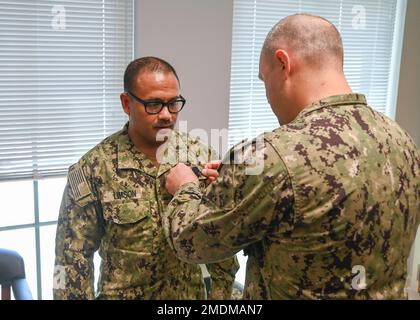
(196, 171)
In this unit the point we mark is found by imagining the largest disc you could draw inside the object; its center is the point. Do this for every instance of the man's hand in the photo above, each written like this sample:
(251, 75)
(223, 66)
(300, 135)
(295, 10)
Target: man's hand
(178, 176)
(210, 170)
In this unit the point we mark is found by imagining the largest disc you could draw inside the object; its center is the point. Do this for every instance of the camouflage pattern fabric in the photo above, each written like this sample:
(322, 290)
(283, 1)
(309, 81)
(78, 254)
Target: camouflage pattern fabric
(333, 215)
(113, 202)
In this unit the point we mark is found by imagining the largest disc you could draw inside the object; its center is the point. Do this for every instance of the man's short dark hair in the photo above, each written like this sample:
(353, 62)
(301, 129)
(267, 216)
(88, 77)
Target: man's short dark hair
(145, 64)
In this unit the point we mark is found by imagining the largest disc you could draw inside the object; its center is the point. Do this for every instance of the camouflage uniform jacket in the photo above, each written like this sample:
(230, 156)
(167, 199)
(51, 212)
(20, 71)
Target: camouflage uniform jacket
(332, 215)
(113, 200)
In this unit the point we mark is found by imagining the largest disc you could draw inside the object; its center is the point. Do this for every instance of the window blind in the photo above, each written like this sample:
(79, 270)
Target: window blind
(61, 72)
(371, 30)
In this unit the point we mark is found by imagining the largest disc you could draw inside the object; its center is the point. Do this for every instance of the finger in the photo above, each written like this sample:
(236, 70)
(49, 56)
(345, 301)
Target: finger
(167, 185)
(210, 180)
(210, 173)
(215, 164)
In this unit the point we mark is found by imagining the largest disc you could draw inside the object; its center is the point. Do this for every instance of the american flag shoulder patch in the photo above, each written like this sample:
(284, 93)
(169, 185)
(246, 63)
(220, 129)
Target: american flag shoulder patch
(78, 183)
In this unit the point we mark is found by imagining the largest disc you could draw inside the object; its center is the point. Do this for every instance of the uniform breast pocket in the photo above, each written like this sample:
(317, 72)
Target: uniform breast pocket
(126, 211)
(130, 230)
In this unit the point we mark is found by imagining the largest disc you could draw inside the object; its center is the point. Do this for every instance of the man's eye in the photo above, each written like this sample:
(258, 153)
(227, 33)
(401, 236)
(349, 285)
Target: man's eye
(174, 103)
(154, 104)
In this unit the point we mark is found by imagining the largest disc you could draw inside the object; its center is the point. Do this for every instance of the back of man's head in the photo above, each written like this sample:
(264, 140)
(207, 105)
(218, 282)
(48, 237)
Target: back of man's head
(145, 64)
(313, 39)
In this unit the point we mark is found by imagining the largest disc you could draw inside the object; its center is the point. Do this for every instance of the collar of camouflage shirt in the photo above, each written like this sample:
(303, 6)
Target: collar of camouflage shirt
(129, 157)
(332, 101)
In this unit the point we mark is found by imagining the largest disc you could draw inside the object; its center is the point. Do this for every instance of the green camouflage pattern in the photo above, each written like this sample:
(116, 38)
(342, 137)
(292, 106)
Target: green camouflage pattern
(113, 202)
(333, 215)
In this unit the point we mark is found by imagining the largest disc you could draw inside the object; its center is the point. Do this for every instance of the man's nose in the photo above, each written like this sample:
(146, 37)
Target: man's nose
(164, 114)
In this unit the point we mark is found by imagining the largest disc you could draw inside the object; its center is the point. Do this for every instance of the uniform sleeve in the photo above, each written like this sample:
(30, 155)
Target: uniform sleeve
(222, 273)
(77, 238)
(223, 276)
(238, 209)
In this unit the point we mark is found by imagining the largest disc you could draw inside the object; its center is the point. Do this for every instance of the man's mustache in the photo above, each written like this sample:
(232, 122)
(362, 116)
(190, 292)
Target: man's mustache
(164, 125)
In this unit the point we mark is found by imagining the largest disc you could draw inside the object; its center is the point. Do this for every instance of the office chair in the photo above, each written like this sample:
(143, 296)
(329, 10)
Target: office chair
(12, 274)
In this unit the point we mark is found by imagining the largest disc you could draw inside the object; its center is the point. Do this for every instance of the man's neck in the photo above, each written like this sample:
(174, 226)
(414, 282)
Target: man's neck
(327, 84)
(148, 149)
(149, 152)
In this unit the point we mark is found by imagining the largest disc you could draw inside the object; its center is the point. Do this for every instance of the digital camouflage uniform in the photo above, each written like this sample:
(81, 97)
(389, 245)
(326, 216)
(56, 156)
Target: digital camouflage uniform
(337, 206)
(114, 201)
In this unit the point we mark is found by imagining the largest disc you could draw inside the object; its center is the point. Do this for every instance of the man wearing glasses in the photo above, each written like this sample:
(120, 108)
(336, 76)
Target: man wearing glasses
(115, 197)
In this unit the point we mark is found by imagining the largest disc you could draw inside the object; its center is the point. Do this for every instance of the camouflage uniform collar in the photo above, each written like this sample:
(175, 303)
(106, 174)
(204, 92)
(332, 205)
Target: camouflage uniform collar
(332, 101)
(129, 157)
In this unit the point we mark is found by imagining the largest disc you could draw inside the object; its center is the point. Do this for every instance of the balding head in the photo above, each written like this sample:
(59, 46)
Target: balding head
(313, 39)
(301, 62)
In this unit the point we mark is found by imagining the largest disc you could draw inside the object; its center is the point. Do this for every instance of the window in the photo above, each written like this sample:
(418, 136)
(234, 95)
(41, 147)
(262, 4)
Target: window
(372, 32)
(61, 72)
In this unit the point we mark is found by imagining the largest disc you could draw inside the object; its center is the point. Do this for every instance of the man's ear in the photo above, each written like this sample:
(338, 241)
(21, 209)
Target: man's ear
(283, 58)
(125, 103)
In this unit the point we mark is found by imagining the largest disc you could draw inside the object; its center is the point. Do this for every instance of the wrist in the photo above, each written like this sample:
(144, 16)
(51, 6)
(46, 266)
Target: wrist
(189, 187)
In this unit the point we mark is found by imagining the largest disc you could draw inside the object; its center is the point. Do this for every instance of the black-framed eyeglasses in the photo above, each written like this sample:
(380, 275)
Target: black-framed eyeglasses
(155, 106)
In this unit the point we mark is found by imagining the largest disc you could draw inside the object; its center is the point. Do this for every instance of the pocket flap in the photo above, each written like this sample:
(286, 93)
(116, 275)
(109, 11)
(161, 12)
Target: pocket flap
(126, 211)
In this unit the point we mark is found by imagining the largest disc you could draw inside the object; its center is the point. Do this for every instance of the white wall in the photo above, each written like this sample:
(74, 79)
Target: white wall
(408, 103)
(195, 36)
(414, 270)
(408, 109)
